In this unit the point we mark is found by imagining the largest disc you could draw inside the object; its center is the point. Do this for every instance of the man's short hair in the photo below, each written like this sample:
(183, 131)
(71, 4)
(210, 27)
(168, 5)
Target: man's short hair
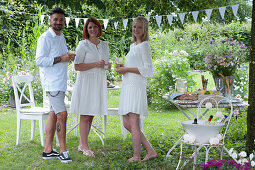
(58, 11)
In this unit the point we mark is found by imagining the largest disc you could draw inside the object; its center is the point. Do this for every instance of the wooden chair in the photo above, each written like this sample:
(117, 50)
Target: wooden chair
(25, 106)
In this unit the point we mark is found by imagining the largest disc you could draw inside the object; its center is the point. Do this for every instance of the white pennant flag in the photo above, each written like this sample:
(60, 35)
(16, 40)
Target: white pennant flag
(148, 18)
(105, 23)
(208, 13)
(85, 19)
(182, 16)
(67, 21)
(234, 9)
(77, 20)
(158, 20)
(42, 18)
(170, 19)
(222, 11)
(116, 24)
(125, 21)
(195, 14)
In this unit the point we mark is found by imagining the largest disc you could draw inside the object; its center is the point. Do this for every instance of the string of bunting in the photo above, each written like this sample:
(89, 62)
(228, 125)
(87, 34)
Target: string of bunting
(158, 18)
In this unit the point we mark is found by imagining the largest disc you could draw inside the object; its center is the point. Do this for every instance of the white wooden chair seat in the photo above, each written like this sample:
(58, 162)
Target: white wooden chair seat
(35, 110)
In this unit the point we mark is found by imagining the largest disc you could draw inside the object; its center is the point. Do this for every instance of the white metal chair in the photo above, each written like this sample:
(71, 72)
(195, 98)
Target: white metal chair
(23, 91)
(205, 131)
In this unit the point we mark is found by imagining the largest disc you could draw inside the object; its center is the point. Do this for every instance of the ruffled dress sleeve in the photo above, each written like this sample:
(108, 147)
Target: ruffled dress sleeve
(80, 53)
(146, 70)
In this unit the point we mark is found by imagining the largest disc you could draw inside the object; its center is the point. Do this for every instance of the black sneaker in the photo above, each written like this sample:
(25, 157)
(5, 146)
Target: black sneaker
(64, 157)
(52, 155)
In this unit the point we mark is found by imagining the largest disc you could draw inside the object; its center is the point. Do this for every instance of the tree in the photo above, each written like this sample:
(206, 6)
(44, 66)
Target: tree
(251, 109)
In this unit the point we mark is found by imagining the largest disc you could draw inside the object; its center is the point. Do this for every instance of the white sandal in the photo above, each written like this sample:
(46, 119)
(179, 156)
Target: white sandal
(86, 152)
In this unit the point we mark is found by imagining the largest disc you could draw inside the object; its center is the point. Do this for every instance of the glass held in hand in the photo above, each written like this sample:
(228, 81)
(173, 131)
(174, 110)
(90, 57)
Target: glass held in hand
(119, 62)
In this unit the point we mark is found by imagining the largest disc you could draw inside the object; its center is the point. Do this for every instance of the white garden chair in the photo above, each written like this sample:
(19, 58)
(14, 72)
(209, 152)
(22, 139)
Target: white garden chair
(205, 132)
(25, 106)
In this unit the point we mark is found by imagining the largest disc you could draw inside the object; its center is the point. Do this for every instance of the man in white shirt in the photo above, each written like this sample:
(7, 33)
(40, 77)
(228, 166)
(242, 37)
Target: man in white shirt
(52, 58)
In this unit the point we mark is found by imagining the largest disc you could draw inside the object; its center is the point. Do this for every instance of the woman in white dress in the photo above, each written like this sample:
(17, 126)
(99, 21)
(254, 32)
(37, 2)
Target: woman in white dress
(89, 97)
(133, 98)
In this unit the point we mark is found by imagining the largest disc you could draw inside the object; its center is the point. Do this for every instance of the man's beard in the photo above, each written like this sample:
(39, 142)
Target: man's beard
(57, 28)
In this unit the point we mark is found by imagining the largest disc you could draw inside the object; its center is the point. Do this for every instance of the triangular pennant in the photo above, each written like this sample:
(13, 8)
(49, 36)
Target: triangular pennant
(222, 11)
(208, 13)
(116, 24)
(170, 19)
(85, 19)
(105, 23)
(182, 16)
(195, 14)
(42, 18)
(67, 21)
(77, 20)
(234, 9)
(158, 20)
(125, 21)
(148, 18)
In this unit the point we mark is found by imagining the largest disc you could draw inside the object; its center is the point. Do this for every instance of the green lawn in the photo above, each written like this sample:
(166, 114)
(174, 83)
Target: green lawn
(162, 129)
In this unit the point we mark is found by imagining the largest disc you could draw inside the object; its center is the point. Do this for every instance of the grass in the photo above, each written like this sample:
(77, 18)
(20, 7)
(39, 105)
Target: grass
(162, 129)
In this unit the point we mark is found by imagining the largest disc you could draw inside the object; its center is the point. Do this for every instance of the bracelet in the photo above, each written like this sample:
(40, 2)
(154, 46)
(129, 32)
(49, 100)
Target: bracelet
(57, 60)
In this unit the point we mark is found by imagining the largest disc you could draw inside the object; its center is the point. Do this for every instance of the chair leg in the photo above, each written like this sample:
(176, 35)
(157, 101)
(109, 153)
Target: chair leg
(104, 126)
(123, 130)
(18, 130)
(41, 127)
(32, 129)
(195, 158)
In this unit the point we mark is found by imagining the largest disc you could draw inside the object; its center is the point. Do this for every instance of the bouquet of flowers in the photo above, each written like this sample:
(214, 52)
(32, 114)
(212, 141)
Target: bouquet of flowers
(225, 56)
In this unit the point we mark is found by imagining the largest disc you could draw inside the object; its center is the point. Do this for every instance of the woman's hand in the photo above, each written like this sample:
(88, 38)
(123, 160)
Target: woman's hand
(100, 63)
(121, 70)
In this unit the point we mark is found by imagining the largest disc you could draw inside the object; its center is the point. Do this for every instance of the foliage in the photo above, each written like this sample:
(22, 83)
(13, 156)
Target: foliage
(166, 71)
(241, 83)
(225, 56)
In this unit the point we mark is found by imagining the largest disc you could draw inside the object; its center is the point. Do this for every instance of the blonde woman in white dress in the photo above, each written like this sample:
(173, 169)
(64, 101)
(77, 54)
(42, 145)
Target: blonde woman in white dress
(89, 97)
(133, 98)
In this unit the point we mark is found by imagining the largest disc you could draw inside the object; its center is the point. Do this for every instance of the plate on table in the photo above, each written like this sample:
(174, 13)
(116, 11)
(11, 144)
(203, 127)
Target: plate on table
(111, 86)
(233, 100)
(186, 101)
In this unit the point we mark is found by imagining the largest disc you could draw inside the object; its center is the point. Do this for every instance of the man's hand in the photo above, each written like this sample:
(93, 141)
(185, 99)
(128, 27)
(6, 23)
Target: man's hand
(71, 56)
(100, 63)
(121, 70)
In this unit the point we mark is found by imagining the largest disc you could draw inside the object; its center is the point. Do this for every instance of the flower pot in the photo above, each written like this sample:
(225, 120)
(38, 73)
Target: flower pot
(221, 85)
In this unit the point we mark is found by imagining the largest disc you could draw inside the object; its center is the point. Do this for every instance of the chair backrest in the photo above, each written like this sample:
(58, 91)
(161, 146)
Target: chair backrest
(216, 103)
(23, 91)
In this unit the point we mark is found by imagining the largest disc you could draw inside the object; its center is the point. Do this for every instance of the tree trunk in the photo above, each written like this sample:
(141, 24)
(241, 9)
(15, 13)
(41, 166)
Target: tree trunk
(251, 109)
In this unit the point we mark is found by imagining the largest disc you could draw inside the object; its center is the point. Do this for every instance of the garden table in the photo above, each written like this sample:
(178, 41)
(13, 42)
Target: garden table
(185, 106)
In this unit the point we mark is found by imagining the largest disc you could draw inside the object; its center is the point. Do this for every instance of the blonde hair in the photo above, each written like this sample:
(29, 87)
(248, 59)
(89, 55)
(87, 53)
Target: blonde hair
(145, 22)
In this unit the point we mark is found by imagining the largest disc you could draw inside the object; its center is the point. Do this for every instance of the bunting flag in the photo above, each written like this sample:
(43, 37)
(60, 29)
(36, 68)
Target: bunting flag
(182, 16)
(85, 19)
(158, 20)
(67, 21)
(105, 23)
(195, 15)
(77, 20)
(222, 11)
(42, 18)
(170, 19)
(208, 13)
(235, 9)
(125, 21)
(116, 24)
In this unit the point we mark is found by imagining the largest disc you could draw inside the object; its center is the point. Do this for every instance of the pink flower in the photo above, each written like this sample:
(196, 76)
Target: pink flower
(7, 73)
(238, 96)
(11, 84)
(175, 52)
(237, 112)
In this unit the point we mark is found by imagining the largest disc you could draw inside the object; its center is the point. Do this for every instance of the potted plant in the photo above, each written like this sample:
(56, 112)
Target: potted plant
(223, 58)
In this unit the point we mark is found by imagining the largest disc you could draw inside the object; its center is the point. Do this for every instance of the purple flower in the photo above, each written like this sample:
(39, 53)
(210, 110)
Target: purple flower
(231, 162)
(242, 47)
(230, 51)
(211, 41)
(223, 161)
(238, 165)
(223, 41)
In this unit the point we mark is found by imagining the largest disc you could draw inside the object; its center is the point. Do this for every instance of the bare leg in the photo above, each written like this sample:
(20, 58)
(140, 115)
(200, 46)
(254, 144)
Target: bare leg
(131, 123)
(50, 130)
(151, 153)
(85, 125)
(61, 130)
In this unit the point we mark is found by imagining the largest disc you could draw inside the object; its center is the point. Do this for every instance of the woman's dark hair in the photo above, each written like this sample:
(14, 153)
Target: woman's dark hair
(85, 28)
